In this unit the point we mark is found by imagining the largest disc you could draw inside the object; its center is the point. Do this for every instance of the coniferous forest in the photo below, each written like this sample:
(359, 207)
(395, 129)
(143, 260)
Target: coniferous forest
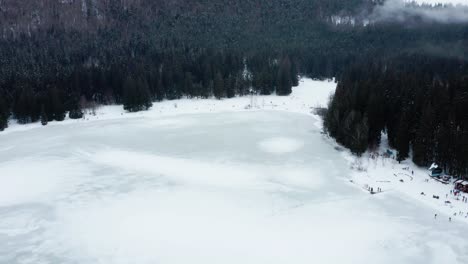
(420, 102)
(407, 77)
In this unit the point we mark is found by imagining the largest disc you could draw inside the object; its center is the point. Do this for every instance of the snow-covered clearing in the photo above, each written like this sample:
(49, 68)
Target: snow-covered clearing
(377, 171)
(208, 181)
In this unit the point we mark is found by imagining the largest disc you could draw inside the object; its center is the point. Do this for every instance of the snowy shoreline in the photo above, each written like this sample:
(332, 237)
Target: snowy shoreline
(380, 172)
(302, 101)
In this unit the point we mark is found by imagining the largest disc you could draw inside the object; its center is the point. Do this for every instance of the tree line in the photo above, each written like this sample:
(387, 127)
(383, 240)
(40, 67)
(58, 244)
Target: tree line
(138, 84)
(420, 102)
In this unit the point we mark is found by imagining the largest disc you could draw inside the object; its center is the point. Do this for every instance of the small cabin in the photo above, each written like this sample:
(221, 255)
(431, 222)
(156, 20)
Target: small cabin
(436, 172)
(461, 185)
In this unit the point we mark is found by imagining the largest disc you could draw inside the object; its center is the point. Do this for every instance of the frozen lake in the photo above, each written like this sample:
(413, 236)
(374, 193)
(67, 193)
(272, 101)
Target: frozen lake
(233, 187)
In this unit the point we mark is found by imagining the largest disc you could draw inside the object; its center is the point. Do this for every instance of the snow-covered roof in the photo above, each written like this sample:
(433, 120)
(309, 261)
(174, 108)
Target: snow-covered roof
(462, 182)
(433, 166)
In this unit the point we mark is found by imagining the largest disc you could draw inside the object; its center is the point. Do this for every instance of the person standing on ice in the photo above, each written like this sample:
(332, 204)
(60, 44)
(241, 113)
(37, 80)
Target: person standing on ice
(435, 216)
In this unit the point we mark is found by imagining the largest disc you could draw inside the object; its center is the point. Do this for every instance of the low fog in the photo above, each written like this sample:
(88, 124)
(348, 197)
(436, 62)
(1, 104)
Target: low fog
(401, 10)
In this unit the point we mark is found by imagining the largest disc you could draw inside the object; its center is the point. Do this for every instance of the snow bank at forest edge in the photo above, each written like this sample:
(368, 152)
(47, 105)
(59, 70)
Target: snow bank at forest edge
(309, 94)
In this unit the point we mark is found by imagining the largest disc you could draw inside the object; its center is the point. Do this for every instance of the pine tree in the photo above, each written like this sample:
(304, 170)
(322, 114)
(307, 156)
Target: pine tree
(75, 109)
(4, 114)
(144, 94)
(136, 96)
(218, 89)
(294, 74)
(423, 144)
(57, 107)
(44, 119)
(188, 84)
(129, 95)
(25, 108)
(403, 138)
(230, 86)
(284, 81)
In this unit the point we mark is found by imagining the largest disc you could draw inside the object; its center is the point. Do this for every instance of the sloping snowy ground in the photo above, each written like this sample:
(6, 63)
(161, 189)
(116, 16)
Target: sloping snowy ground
(405, 178)
(206, 182)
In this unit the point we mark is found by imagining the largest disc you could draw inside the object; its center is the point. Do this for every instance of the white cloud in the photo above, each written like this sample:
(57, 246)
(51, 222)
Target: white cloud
(398, 10)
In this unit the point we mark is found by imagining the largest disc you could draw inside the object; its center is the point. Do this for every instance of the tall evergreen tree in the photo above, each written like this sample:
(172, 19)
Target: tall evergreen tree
(218, 89)
(57, 107)
(294, 74)
(423, 144)
(136, 96)
(403, 138)
(44, 119)
(4, 114)
(284, 86)
(230, 86)
(25, 108)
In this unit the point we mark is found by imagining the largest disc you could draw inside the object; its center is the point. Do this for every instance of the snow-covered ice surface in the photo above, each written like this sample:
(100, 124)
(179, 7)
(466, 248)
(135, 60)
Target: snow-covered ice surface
(206, 181)
(280, 145)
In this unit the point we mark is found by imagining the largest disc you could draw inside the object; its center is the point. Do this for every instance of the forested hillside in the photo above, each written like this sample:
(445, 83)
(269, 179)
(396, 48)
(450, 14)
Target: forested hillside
(59, 56)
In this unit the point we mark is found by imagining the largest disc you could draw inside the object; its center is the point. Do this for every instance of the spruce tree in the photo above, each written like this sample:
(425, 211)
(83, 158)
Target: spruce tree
(188, 84)
(144, 94)
(57, 107)
(4, 114)
(75, 109)
(136, 96)
(284, 81)
(129, 95)
(230, 86)
(403, 138)
(218, 89)
(25, 108)
(294, 74)
(423, 144)
(44, 119)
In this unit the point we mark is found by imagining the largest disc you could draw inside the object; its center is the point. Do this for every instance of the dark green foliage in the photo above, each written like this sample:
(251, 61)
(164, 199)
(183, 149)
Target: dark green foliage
(44, 119)
(402, 140)
(4, 114)
(230, 86)
(421, 102)
(54, 104)
(136, 95)
(218, 89)
(294, 74)
(75, 108)
(285, 78)
(25, 108)
(264, 45)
